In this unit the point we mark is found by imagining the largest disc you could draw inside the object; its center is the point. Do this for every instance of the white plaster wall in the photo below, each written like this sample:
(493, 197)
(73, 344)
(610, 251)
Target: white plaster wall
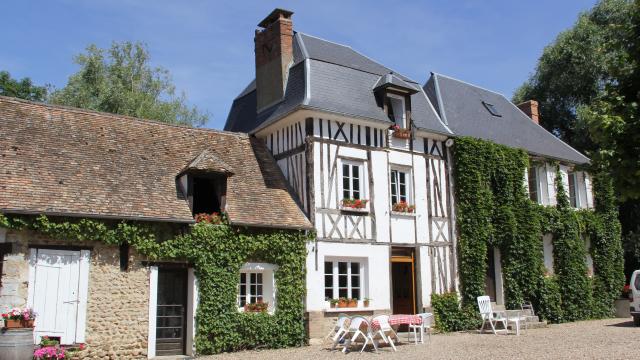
(424, 269)
(422, 207)
(402, 228)
(376, 277)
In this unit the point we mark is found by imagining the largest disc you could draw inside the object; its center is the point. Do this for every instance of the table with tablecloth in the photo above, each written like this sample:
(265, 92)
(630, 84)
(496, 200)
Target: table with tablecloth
(397, 320)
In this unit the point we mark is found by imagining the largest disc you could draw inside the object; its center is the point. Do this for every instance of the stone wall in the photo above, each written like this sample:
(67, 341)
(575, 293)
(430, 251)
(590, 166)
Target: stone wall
(118, 301)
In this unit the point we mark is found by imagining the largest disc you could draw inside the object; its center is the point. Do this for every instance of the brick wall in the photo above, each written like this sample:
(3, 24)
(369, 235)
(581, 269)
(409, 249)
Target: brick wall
(117, 305)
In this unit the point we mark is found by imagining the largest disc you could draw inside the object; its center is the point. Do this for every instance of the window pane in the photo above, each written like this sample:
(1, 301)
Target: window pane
(356, 171)
(342, 281)
(355, 293)
(328, 293)
(355, 281)
(328, 281)
(342, 268)
(253, 278)
(355, 268)
(259, 278)
(533, 184)
(343, 293)
(259, 290)
(328, 267)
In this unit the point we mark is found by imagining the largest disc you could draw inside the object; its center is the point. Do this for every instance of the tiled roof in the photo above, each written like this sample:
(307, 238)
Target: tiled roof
(66, 161)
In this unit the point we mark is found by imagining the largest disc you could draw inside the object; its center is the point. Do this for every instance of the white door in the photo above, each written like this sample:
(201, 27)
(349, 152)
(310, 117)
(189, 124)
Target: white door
(55, 293)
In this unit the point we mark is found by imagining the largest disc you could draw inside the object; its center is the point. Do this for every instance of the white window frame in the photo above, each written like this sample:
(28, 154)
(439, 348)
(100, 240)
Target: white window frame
(335, 276)
(408, 185)
(403, 123)
(268, 283)
(571, 175)
(361, 182)
(537, 184)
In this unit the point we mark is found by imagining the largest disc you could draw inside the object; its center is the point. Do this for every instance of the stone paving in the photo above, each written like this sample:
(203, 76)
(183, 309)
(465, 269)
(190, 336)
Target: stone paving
(596, 339)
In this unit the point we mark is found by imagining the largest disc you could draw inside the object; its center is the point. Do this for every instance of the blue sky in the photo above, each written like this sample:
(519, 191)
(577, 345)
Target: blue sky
(208, 45)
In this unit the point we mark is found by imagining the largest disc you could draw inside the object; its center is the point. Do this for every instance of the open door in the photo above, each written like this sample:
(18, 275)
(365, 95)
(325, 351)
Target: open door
(403, 281)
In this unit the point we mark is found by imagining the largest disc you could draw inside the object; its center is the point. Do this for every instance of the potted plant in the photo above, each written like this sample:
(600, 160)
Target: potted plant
(400, 133)
(257, 307)
(47, 341)
(403, 207)
(352, 303)
(333, 302)
(213, 218)
(49, 353)
(355, 204)
(19, 318)
(366, 301)
(342, 302)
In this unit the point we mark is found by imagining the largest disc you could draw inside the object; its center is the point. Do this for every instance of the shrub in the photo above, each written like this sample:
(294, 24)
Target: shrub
(449, 314)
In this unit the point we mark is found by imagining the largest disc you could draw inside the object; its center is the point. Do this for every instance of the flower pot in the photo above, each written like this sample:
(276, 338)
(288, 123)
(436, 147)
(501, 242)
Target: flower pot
(353, 303)
(13, 324)
(27, 323)
(342, 304)
(366, 303)
(402, 134)
(333, 305)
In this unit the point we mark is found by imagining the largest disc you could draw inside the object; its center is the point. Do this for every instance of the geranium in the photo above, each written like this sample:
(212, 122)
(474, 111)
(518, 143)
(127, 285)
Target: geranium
(404, 207)
(20, 314)
(213, 218)
(394, 127)
(355, 203)
(49, 353)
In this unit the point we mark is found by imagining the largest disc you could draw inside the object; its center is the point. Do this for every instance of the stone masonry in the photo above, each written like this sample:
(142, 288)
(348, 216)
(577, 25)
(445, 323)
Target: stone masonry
(118, 301)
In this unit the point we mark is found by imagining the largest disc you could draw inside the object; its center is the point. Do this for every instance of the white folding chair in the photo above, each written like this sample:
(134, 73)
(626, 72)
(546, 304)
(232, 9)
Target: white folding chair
(490, 316)
(385, 331)
(354, 332)
(425, 324)
(338, 330)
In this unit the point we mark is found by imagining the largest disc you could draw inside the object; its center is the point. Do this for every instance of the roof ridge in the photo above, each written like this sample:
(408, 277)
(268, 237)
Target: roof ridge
(118, 116)
(468, 83)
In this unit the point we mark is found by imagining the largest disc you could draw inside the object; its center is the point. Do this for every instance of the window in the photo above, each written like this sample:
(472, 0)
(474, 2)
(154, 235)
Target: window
(257, 284)
(573, 190)
(396, 109)
(636, 283)
(207, 194)
(533, 184)
(492, 109)
(250, 288)
(399, 186)
(342, 279)
(351, 180)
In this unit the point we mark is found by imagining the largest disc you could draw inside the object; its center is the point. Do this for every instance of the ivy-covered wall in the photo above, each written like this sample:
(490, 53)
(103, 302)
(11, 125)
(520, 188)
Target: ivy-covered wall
(493, 209)
(217, 252)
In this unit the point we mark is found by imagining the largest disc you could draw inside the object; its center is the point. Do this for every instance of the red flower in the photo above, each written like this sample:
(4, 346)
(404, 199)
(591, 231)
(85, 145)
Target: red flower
(81, 347)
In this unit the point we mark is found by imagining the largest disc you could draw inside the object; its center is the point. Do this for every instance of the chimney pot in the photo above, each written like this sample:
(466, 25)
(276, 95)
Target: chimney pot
(530, 108)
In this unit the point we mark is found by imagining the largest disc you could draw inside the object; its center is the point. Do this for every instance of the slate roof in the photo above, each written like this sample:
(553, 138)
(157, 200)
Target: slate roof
(65, 161)
(460, 105)
(333, 78)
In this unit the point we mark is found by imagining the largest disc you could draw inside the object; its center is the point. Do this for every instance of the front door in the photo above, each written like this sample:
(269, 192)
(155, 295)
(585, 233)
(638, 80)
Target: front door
(171, 312)
(403, 282)
(55, 293)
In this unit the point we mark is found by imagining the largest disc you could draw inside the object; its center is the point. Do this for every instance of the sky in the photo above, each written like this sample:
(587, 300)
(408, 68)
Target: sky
(207, 46)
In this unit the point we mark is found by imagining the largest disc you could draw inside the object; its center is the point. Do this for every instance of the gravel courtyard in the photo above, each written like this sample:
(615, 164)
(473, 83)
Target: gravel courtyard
(597, 339)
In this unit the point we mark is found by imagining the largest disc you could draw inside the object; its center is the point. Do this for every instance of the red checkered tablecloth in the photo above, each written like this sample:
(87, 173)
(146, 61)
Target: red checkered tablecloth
(400, 319)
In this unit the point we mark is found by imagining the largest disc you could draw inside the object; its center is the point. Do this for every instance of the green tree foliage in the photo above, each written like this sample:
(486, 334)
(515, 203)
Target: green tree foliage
(120, 80)
(23, 89)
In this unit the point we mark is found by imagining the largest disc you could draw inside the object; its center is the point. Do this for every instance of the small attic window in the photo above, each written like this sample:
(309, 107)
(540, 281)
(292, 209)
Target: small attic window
(207, 194)
(396, 109)
(492, 109)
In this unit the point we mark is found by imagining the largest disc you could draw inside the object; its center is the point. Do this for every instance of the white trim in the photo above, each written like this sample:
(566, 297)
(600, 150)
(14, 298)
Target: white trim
(83, 295)
(404, 110)
(153, 302)
(192, 307)
(258, 267)
(33, 260)
(307, 80)
(361, 178)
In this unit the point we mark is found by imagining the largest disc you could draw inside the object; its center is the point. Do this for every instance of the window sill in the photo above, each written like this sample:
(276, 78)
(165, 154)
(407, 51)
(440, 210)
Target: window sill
(354, 210)
(405, 214)
(347, 309)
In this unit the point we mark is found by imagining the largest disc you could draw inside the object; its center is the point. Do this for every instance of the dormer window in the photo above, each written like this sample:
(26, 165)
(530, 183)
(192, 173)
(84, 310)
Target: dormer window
(396, 110)
(204, 182)
(491, 108)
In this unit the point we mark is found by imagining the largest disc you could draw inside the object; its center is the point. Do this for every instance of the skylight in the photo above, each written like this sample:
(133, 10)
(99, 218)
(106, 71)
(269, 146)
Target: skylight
(492, 109)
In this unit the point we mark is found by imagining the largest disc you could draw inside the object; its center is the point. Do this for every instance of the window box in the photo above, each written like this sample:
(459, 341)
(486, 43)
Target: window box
(403, 207)
(399, 133)
(355, 205)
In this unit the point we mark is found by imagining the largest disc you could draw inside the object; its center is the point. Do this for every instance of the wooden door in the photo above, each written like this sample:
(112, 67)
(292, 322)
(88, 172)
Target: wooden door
(171, 312)
(403, 284)
(56, 293)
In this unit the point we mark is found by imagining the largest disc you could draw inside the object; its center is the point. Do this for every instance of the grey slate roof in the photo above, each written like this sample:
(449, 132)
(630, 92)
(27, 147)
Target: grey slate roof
(392, 80)
(460, 106)
(334, 78)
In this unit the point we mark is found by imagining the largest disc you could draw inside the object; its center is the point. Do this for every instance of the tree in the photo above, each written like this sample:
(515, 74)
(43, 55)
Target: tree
(120, 80)
(23, 89)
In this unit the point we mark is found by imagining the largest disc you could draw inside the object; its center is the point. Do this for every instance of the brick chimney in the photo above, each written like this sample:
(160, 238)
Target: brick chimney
(274, 53)
(531, 109)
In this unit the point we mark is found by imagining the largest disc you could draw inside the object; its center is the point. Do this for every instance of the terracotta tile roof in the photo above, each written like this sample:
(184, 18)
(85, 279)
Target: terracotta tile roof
(66, 161)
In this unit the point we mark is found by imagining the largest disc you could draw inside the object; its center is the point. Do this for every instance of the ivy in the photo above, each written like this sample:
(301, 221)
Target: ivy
(217, 252)
(493, 210)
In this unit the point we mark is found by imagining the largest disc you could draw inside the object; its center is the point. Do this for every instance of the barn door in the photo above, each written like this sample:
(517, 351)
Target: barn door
(56, 294)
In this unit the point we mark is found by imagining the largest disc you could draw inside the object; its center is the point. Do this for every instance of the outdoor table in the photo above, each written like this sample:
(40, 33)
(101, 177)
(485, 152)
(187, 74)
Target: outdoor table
(397, 320)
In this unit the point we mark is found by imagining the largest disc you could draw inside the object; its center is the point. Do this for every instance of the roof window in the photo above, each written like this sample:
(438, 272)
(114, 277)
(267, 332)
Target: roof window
(492, 109)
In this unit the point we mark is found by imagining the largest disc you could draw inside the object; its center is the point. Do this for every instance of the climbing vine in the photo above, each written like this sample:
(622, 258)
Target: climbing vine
(494, 211)
(217, 252)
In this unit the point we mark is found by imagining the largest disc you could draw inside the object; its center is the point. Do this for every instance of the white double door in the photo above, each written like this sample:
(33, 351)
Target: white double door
(58, 283)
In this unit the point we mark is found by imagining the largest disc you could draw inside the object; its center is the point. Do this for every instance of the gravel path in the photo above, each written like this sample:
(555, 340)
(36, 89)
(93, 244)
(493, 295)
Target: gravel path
(597, 339)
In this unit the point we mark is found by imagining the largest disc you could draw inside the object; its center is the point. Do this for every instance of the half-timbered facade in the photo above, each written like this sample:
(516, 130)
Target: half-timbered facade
(367, 151)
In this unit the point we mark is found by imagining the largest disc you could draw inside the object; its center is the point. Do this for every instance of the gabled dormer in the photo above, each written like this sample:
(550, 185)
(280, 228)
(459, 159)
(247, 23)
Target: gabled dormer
(203, 182)
(394, 95)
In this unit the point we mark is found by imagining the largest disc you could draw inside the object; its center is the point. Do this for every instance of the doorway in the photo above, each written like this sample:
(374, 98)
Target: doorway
(403, 289)
(171, 314)
(490, 276)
